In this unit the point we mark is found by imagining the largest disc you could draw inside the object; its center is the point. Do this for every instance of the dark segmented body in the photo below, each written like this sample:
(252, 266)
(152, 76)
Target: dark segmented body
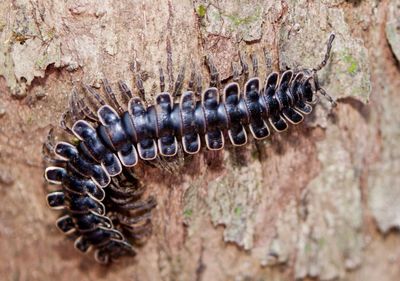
(144, 132)
(108, 149)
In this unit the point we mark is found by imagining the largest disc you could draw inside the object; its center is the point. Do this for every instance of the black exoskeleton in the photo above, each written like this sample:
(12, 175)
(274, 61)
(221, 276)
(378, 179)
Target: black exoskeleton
(100, 196)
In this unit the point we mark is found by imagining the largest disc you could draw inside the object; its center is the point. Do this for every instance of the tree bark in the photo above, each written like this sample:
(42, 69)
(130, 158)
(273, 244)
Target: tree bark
(321, 200)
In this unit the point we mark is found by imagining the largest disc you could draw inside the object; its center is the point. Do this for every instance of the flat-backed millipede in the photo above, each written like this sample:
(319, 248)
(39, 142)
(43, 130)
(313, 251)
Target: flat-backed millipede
(100, 195)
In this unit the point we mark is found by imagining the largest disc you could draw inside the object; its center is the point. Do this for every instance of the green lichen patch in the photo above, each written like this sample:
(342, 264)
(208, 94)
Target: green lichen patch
(242, 22)
(347, 73)
(41, 62)
(188, 213)
(30, 120)
(237, 20)
(233, 201)
(201, 11)
(352, 66)
(238, 211)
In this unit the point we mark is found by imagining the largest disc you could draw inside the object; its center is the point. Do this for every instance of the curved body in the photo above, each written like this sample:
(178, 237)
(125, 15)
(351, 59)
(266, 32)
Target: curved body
(119, 140)
(100, 196)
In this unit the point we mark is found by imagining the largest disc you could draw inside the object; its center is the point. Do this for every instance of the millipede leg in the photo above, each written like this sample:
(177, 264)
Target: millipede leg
(48, 150)
(87, 112)
(139, 85)
(199, 84)
(322, 65)
(327, 96)
(268, 61)
(111, 95)
(130, 176)
(214, 75)
(192, 77)
(64, 122)
(73, 105)
(122, 194)
(162, 79)
(73, 115)
(235, 72)
(49, 159)
(126, 92)
(254, 61)
(140, 235)
(129, 199)
(128, 220)
(179, 82)
(245, 66)
(94, 94)
(135, 67)
(117, 191)
(142, 230)
(80, 110)
(49, 143)
(113, 250)
(141, 206)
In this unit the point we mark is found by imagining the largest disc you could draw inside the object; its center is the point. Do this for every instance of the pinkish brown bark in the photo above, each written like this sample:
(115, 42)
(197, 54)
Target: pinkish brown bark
(320, 200)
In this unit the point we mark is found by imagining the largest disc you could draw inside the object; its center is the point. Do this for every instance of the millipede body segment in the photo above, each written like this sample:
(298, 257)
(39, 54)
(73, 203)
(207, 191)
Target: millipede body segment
(100, 195)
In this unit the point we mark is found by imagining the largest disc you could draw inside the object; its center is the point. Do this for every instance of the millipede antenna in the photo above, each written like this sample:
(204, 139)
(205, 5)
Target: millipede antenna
(327, 54)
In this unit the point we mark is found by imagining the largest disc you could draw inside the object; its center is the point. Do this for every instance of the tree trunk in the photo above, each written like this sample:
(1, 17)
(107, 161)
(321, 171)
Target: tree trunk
(317, 201)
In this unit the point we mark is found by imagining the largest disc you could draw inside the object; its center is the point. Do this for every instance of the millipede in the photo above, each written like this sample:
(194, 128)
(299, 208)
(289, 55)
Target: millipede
(100, 196)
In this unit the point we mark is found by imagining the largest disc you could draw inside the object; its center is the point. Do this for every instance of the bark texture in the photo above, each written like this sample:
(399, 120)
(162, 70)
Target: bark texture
(321, 200)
